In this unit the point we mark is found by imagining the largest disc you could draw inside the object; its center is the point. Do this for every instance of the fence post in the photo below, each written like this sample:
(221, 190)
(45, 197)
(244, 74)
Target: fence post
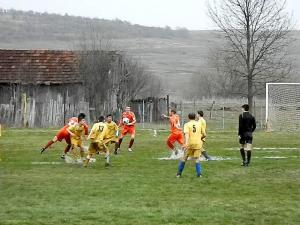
(168, 105)
(223, 117)
(143, 114)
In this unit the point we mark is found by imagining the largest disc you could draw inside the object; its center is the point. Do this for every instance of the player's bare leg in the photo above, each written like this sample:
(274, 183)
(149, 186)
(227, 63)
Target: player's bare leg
(120, 142)
(107, 162)
(67, 149)
(131, 142)
(116, 148)
(49, 144)
(171, 148)
(86, 161)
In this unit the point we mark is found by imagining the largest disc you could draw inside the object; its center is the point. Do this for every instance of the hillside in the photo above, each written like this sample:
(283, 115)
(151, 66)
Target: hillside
(173, 55)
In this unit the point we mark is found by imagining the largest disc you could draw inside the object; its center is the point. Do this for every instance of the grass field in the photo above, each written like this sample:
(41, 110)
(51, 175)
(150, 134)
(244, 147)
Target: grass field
(139, 189)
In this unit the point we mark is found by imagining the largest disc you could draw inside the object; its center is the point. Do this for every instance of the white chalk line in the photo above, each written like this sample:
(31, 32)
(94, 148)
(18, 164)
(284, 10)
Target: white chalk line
(266, 148)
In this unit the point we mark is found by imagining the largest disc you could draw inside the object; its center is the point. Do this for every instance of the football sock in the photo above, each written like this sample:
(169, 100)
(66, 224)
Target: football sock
(48, 144)
(131, 143)
(107, 159)
(248, 156)
(242, 151)
(67, 149)
(116, 146)
(81, 153)
(120, 142)
(198, 168)
(204, 153)
(181, 167)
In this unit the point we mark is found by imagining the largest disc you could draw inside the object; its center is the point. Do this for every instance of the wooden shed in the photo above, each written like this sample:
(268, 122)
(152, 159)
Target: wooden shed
(40, 88)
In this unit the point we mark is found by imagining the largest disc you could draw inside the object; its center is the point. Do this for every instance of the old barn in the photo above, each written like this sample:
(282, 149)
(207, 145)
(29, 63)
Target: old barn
(39, 88)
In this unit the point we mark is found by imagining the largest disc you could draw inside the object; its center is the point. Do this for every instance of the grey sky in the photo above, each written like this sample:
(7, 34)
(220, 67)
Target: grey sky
(174, 13)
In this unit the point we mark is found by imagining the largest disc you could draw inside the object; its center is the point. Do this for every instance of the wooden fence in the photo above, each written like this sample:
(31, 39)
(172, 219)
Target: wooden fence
(33, 111)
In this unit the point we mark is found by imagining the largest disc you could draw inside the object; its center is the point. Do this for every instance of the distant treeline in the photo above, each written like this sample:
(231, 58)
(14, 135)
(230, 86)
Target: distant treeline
(29, 25)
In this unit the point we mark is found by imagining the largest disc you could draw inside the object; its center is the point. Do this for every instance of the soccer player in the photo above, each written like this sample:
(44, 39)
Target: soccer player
(76, 132)
(202, 120)
(64, 134)
(128, 128)
(112, 134)
(247, 125)
(176, 131)
(97, 135)
(194, 134)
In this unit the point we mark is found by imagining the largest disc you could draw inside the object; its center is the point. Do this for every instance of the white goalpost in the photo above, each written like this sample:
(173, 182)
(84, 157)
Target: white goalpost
(283, 106)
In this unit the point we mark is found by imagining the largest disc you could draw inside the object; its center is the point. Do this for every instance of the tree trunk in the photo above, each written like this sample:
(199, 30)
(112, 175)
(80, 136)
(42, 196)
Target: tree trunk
(250, 93)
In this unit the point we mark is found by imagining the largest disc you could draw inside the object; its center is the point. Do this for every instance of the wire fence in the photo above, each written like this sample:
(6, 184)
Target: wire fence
(220, 114)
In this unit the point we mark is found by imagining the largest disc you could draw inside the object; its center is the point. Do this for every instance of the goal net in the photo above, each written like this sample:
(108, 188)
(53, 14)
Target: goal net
(283, 106)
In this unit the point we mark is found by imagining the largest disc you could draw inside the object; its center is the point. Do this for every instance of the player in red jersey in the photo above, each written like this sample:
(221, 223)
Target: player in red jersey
(64, 134)
(176, 131)
(127, 123)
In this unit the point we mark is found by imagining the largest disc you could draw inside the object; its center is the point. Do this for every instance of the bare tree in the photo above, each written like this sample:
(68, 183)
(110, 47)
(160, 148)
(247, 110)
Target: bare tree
(111, 78)
(257, 34)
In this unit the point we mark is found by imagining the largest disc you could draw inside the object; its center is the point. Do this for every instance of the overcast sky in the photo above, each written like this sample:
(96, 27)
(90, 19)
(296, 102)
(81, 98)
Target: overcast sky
(174, 13)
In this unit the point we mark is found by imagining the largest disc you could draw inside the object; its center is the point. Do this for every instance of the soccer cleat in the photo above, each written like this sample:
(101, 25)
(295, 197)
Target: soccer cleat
(107, 165)
(178, 175)
(42, 150)
(244, 163)
(129, 149)
(62, 156)
(176, 151)
(116, 152)
(200, 175)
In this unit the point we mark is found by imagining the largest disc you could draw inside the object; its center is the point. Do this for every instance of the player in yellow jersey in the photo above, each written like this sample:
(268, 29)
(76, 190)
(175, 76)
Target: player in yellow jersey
(97, 135)
(202, 120)
(112, 133)
(76, 132)
(194, 134)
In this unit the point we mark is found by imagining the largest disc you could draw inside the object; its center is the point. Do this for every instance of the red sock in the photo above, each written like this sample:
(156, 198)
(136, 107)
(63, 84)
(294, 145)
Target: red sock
(120, 142)
(67, 149)
(116, 145)
(170, 145)
(49, 144)
(131, 143)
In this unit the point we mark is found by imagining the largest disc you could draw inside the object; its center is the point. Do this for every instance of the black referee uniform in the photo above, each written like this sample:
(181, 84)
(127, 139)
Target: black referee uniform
(247, 125)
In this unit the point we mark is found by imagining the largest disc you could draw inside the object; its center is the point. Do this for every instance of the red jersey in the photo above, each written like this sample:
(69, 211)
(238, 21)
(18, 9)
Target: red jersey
(130, 115)
(174, 123)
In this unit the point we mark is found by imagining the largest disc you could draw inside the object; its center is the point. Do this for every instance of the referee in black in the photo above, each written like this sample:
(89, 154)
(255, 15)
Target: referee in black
(247, 125)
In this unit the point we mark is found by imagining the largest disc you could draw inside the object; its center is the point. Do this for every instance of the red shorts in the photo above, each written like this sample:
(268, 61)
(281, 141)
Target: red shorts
(62, 134)
(176, 137)
(128, 130)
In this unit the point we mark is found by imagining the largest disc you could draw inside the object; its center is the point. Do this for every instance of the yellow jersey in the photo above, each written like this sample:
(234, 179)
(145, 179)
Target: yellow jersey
(98, 132)
(112, 129)
(202, 120)
(78, 129)
(194, 129)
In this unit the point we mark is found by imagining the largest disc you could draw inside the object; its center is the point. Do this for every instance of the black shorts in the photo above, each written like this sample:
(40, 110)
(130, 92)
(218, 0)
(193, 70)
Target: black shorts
(246, 140)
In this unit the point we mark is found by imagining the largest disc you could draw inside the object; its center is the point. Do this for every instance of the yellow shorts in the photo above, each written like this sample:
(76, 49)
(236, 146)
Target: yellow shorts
(76, 142)
(110, 140)
(196, 153)
(95, 147)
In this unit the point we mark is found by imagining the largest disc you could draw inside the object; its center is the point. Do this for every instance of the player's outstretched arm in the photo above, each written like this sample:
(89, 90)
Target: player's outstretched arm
(165, 116)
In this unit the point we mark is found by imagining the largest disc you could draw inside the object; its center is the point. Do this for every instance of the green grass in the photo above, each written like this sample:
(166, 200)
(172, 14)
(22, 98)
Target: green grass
(139, 189)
